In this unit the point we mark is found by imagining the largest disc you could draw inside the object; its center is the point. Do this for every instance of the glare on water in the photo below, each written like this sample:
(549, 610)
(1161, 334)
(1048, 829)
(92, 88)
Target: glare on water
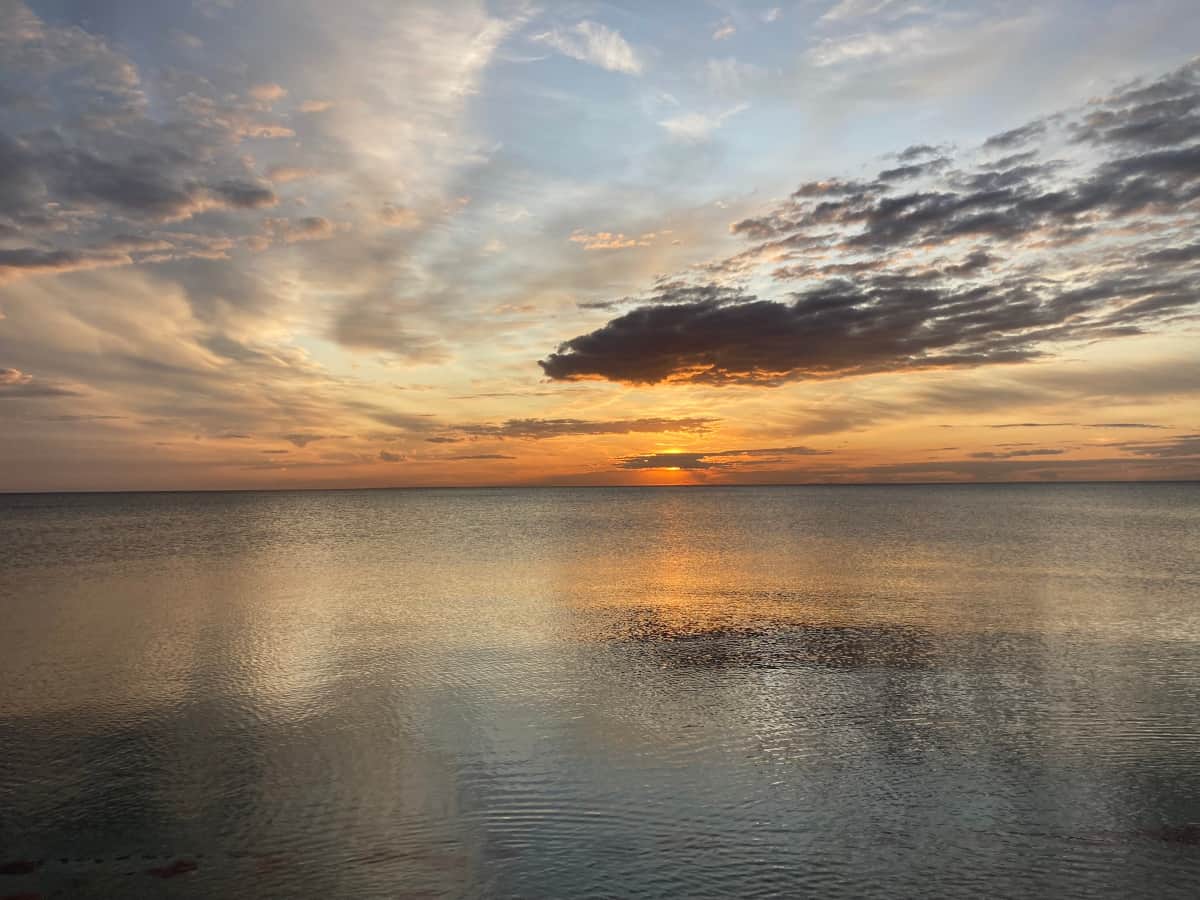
(859, 691)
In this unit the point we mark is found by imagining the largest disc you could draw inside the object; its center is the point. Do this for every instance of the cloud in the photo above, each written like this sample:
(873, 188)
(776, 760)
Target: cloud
(725, 30)
(131, 182)
(1015, 137)
(1123, 425)
(31, 261)
(398, 216)
(718, 459)
(730, 77)
(699, 126)
(267, 93)
(388, 456)
(1162, 113)
(857, 9)
(156, 184)
(245, 195)
(377, 323)
(1076, 425)
(593, 43)
(1179, 446)
(1016, 454)
(303, 438)
(608, 240)
(282, 174)
(916, 152)
(913, 170)
(86, 161)
(308, 228)
(914, 40)
(538, 429)
(1032, 425)
(1075, 250)
(15, 384)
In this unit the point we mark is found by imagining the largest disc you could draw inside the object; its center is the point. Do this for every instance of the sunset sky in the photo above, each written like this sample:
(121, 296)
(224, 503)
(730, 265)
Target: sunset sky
(310, 244)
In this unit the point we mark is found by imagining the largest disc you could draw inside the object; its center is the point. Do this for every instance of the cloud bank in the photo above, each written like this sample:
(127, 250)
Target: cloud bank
(942, 262)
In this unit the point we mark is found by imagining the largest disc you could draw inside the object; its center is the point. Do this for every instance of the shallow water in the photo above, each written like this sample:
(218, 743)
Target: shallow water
(702, 692)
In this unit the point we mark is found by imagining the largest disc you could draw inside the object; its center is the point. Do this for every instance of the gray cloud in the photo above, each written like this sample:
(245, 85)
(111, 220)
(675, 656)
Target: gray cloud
(377, 324)
(86, 169)
(28, 260)
(874, 310)
(1015, 137)
(918, 152)
(715, 459)
(303, 439)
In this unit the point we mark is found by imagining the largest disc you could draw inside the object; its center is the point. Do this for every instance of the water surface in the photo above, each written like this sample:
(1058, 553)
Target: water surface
(702, 692)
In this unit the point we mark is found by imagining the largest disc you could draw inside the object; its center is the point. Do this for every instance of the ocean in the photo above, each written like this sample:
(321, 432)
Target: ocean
(867, 691)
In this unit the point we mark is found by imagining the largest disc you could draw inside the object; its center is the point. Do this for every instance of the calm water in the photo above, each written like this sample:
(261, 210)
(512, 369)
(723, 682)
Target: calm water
(704, 692)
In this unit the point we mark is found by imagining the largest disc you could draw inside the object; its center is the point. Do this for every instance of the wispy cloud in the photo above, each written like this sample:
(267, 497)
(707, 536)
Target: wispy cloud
(539, 429)
(699, 126)
(595, 44)
(725, 30)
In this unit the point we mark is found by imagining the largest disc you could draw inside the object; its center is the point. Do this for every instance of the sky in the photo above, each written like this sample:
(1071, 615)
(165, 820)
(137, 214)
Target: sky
(289, 243)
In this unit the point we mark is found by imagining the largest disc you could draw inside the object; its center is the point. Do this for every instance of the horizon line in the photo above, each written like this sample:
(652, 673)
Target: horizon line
(494, 487)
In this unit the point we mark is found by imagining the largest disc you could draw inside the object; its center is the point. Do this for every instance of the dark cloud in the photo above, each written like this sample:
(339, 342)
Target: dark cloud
(86, 165)
(1165, 112)
(157, 184)
(245, 195)
(842, 328)
(913, 170)
(670, 461)
(1015, 137)
(917, 152)
(29, 260)
(718, 459)
(674, 291)
(975, 262)
(869, 305)
(303, 439)
(388, 456)
(467, 456)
